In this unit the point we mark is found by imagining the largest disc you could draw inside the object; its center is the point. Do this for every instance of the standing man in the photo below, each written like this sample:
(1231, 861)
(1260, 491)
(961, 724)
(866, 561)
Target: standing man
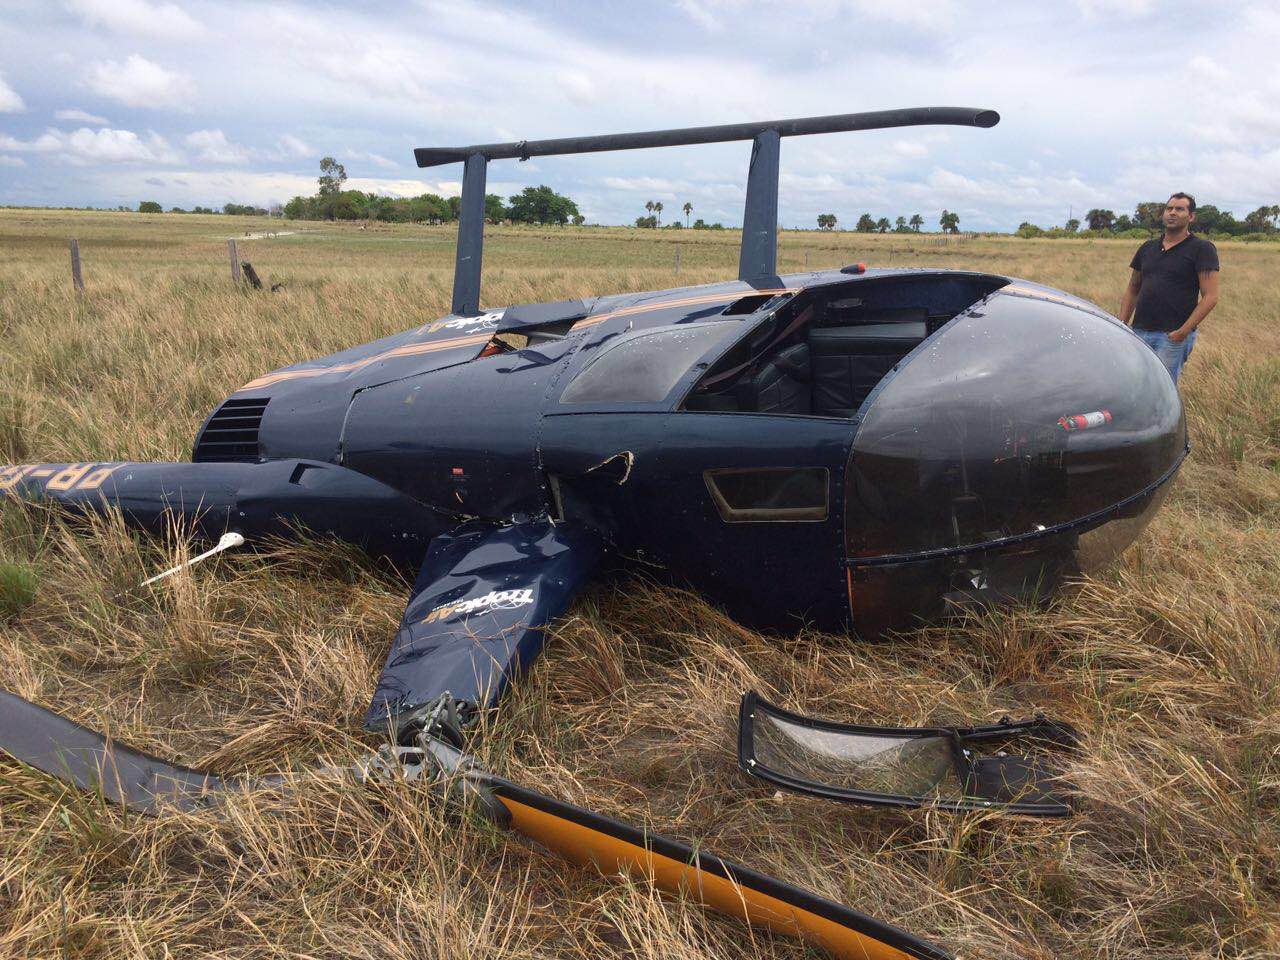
(1174, 285)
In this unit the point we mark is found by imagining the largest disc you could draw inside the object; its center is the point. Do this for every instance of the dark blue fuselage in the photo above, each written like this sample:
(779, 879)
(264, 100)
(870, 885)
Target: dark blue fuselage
(624, 411)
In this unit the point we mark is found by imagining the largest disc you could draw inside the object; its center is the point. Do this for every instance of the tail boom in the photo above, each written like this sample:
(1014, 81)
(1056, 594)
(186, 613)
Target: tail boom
(273, 499)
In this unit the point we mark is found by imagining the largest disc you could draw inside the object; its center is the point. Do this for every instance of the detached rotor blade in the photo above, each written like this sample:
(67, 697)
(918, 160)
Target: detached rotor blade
(590, 839)
(84, 758)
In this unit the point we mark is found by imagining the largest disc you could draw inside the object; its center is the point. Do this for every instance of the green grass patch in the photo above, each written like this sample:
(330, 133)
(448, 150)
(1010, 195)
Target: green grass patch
(17, 588)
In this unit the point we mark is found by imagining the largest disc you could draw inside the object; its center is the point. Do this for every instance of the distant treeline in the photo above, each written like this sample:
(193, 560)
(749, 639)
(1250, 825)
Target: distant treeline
(542, 205)
(230, 209)
(1148, 220)
(534, 205)
(538, 204)
(949, 222)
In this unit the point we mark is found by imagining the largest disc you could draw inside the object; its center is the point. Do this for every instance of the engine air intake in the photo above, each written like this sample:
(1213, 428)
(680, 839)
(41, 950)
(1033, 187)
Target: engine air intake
(231, 435)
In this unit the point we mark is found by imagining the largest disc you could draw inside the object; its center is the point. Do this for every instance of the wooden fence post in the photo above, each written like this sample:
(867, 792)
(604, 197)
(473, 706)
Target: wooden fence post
(235, 261)
(77, 278)
(677, 258)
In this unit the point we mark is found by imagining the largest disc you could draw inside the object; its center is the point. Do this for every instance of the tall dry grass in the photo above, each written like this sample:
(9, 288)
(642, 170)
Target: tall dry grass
(251, 663)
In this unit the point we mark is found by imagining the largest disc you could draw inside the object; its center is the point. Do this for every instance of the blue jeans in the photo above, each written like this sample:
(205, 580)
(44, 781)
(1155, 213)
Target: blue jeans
(1172, 355)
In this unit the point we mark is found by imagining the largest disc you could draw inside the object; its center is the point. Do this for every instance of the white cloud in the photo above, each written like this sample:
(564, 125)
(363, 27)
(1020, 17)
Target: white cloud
(212, 146)
(796, 182)
(702, 13)
(95, 146)
(643, 184)
(10, 102)
(406, 188)
(1231, 179)
(7, 161)
(292, 146)
(116, 146)
(910, 148)
(470, 71)
(919, 142)
(381, 72)
(1231, 106)
(81, 116)
(933, 16)
(137, 82)
(164, 21)
(355, 157)
(1207, 68)
(1125, 9)
(717, 16)
(578, 87)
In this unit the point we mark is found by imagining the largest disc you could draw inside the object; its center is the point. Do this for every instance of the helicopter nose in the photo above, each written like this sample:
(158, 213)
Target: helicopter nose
(1030, 439)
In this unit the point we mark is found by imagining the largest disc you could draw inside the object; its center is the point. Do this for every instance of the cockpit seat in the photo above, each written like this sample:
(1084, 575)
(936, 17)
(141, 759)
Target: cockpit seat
(780, 386)
(847, 362)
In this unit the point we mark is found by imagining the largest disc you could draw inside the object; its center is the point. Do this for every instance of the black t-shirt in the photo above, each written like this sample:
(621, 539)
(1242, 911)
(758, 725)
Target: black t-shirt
(1170, 281)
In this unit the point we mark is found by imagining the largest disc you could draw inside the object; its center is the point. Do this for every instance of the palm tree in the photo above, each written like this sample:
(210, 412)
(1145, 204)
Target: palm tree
(648, 205)
(657, 209)
(688, 209)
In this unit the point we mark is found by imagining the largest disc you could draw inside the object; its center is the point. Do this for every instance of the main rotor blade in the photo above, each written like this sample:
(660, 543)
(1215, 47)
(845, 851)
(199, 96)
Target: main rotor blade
(84, 758)
(590, 839)
(722, 133)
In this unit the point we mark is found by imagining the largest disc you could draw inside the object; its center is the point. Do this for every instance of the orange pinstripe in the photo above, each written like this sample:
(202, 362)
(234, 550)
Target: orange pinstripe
(432, 346)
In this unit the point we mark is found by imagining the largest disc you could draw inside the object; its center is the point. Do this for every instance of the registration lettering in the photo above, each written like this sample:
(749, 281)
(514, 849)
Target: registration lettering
(58, 478)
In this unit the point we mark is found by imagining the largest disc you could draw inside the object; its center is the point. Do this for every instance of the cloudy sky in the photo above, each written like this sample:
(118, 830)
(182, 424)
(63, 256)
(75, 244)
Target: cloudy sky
(1104, 102)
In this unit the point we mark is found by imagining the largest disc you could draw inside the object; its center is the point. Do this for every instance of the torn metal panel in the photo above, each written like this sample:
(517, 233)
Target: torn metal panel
(616, 468)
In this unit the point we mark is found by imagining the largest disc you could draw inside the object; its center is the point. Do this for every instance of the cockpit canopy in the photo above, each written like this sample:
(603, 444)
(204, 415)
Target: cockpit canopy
(815, 352)
(824, 352)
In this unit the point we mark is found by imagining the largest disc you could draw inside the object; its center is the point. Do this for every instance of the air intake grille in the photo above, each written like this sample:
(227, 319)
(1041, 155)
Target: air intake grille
(231, 435)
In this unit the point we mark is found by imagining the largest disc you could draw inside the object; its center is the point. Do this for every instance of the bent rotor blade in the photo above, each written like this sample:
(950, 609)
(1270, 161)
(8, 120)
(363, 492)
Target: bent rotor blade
(89, 760)
(86, 759)
(590, 839)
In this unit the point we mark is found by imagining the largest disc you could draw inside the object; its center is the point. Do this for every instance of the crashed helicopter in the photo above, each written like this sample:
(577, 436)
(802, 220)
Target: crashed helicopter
(857, 449)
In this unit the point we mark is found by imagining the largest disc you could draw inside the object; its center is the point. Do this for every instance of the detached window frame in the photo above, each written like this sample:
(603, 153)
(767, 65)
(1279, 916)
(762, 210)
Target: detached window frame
(741, 512)
(972, 749)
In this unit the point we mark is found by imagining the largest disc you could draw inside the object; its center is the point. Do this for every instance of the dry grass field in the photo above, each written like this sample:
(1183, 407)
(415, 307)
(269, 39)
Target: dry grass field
(1169, 664)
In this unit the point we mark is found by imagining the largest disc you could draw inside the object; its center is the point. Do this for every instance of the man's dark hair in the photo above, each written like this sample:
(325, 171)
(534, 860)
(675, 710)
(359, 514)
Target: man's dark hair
(1191, 201)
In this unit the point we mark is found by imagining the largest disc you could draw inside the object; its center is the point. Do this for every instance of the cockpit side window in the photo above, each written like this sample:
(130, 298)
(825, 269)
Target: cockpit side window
(770, 493)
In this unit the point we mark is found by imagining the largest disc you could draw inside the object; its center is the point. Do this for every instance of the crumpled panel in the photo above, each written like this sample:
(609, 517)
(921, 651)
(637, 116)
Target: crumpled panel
(477, 612)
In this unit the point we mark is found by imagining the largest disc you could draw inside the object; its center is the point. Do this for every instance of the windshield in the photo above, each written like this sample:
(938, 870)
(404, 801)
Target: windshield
(645, 367)
(1019, 415)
